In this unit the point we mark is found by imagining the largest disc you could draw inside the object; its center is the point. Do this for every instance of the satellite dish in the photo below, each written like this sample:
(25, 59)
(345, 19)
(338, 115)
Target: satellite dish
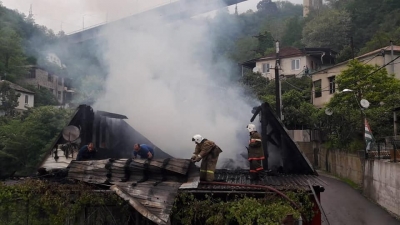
(71, 133)
(328, 111)
(364, 103)
(255, 70)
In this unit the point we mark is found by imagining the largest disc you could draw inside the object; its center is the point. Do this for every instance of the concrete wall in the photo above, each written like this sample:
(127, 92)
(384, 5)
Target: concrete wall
(308, 151)
(382, 184)
(342, 164)
(379, 179)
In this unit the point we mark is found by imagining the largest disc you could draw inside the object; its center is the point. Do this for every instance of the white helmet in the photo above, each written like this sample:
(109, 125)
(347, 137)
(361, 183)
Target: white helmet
(197, 138)
(251, 127)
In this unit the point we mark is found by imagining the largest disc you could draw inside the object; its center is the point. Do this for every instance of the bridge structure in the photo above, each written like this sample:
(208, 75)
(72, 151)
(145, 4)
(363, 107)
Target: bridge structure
(175, 11)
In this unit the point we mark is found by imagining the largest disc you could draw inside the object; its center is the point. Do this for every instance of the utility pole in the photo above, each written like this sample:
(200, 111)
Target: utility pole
(392, 57)
(277, 82)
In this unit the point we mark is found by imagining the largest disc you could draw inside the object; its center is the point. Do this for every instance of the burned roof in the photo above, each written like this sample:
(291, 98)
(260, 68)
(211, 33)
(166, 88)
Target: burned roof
(111, 135)
(239, 180)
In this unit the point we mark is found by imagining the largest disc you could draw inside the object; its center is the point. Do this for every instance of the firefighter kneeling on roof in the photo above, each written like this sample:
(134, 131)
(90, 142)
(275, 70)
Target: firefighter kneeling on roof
(207, 151)
(256, 153)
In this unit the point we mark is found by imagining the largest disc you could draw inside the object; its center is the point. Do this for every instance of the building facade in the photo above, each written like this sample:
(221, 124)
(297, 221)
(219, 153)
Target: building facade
(324, 85)
(26, 98)
(293, 62)
(41, 78)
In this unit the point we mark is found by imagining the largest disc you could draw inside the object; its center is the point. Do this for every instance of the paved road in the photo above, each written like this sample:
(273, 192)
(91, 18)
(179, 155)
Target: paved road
(345, 206)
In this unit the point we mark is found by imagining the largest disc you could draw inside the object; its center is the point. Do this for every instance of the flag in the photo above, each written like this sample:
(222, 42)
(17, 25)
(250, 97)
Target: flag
(369, 138)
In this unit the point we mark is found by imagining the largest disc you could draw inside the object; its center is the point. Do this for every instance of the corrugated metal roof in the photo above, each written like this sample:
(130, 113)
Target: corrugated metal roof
(278, 181)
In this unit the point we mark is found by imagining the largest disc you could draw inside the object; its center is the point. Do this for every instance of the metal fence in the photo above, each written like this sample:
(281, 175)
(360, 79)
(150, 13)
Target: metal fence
(385, 149)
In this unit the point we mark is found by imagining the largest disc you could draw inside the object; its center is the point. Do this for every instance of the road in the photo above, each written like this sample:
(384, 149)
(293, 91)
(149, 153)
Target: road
(344, 205)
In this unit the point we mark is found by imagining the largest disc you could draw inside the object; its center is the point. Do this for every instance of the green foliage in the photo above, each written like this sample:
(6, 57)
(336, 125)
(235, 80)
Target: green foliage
(330, 28)
(345, 54)
(43, 96)
(8, 98)
(11, 54)
(298, 113)
(265, 43)
(39, 203)
(379, 88)
(24, 140)
(267, 7)
(292, 34)
(247, 210)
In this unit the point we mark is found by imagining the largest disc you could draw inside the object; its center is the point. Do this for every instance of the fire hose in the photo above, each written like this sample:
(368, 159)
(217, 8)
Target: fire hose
(261, 187)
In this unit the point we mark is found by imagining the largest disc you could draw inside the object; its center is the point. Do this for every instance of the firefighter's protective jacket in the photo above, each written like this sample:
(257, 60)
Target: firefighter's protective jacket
(209, 153)
(256, 152)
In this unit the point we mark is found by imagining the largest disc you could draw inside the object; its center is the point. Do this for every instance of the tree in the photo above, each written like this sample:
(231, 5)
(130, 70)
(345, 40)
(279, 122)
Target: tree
(298, 113)
(345, 54)
(9, 99)
(329, 29)
(12, 58)
(268, 7)
(43, 96)
(367, 82)
(292, 34)
(265, 43)
(24, 140)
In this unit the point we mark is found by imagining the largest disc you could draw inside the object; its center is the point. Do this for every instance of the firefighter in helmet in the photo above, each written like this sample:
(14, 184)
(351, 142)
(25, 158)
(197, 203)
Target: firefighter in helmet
(207, 151)
(256, 152)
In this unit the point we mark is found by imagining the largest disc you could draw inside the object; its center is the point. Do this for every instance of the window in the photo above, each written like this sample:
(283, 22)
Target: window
(50, 78)
(51, 90)
(59, 95)
(26, 99)
(332, 87)
(295, 64)
(60, 81)
(265, 67)
(317, 88)
(32, 74)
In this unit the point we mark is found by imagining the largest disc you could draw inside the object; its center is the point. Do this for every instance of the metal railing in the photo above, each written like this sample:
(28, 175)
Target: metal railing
(388, 149)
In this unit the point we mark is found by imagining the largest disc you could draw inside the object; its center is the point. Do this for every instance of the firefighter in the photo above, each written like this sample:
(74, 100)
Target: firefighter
(207, 151)
(256, 153)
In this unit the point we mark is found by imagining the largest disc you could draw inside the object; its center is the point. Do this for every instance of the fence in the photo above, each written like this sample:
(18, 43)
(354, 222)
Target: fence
(388, 149)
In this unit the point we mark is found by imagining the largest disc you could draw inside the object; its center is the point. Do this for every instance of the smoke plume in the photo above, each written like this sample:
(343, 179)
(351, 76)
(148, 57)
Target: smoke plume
(164, 76)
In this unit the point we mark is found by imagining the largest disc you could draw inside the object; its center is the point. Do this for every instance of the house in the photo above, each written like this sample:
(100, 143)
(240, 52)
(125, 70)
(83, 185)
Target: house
(324, 80)
(293, 61)
(40, 78)
(26, 98)
(152, 190)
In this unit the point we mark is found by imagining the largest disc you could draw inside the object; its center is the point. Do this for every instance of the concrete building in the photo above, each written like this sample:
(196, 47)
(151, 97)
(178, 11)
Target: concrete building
(309, 5)
(26, 98)
(293, 61)
(41, 78)
(324, 79)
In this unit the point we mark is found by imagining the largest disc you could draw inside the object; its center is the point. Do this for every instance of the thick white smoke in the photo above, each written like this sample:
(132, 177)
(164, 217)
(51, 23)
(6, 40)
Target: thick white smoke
(163, 76)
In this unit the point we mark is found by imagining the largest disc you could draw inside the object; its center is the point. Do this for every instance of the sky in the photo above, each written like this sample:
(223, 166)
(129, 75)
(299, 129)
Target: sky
(75, 15)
